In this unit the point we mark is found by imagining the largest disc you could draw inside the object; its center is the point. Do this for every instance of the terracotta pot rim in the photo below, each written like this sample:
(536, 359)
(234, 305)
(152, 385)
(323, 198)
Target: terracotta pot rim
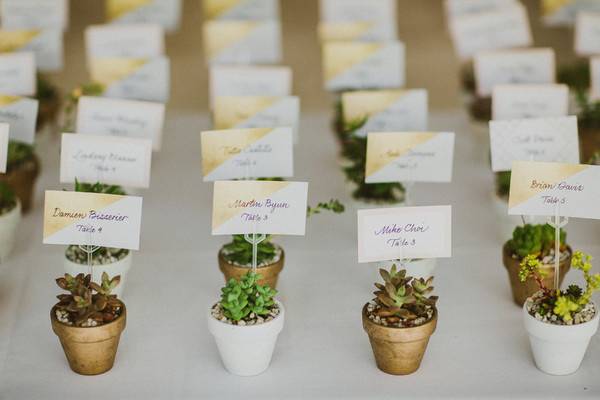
(398, 328)
(256, 326)
(270, 265)
(507, 253)
(593, 320)
(81, 328)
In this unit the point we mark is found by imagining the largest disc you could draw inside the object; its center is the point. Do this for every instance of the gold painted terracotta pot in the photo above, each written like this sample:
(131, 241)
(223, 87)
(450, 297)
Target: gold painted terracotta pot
(269, 273)
(521, 291)
(90, 351)
(22, 180)
(398, 351)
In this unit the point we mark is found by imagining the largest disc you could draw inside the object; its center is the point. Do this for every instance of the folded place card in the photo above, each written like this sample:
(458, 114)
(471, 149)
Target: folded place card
(595, 77)
(404, 233)
(409, 157)
(242, 42)
(3, 146)
(456, 8)
(541, 188)
(47, 45)
(116, 117)
(249, 81)
(34, 14)
(356, 31)
(502, 28)
(269, 207)
(124, 41)
(133, 78)
(166, 13)
(535, 139)
(564, 12)
(256, 112)
(379, 12)
(21, 114)
(247, 153)
(513, 66)
(106, 159)
(385, 110)
(17, 74)
(530, 101)
(256, 10)
(92, 219)
(587, 34)
(363, 65)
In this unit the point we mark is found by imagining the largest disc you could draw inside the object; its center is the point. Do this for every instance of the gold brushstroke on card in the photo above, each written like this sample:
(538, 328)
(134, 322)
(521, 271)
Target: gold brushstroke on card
(343, 30)
(107, 71)
(338, 57)
(230, 111)
(366, 103)
(386, 147)
(117, 8)
(14, 40)
(220, 35)
(215, 8)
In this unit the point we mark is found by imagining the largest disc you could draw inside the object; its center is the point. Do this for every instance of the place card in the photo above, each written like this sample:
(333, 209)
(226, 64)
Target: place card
(231, 112)
(110, 160)
(587, 34)
(21, 114)
(247, 153)
(542, 188)
(363, 65)
(269, 207)
(503, 28)
(17, 74)
(255, 10)
(47, 45)
(380, 12)
(126, 118)
(513, 66)
(3, 147)
(356, 31)
(92, 219)
(34, 14)
(133, 78)
(409, 157)
(242, 42)
(564, 12)
(530, 101)
(595, 78)
(385, 110)
(166, 13)
(249, 81)
(455, 8)
(404, 233)
(534, 139)
(124, 41)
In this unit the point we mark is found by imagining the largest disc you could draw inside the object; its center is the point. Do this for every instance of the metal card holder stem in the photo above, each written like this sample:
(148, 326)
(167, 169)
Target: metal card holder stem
(557, 222)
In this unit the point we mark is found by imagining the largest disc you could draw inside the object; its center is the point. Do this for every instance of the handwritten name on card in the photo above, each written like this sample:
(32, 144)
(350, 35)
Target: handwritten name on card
(268, 207)
(106, 159)
(529, 101)
(124, 41)
(17, 74)
(503, 28)
(166, 13)
(541, 188)
(126, 118)
(254, 10)
(3, 147)
(513, 66)
(247, 153)
(595, 78)
(92, 219)
(249, 81)
(534, 139)
(21, 114)
(587, 34)
(385, 110)
(34, 14)
(362, 65)
(409, 157)
(242, 42)
(404, 233)
(47, 45)
(357, 20)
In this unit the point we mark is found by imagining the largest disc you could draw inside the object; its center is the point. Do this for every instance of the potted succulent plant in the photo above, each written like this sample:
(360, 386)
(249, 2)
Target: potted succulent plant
(478, 107)
(560, 323)
(534, 240)
(88, 322)
(235, 257)
(400, 320)
(10, 216)
(112, 261)
(418, 267)
(49, 103)
(89, 89)
(588, 121)
(22, 170)
(245, 324)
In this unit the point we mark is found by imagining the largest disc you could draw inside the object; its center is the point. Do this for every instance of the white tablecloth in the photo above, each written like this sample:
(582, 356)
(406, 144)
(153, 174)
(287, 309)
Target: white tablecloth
(480, 349)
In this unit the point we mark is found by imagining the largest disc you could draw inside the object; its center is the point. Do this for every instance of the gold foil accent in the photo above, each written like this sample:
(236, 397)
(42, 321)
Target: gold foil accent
(550, 7)
(14, 40)
(215, 8)
(366, 103)
(230, 111)
(338, 57)
(107, 71)
(117, 8)
(219, 35)
(386, 147)
(6, 100)
(343, 30)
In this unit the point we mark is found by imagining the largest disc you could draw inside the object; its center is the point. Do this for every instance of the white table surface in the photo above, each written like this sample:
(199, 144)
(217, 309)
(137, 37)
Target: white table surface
(480, 349)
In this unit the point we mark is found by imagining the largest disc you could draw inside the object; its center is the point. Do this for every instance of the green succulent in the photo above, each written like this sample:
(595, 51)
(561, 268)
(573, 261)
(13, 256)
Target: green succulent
(8, 200)
(241, 298)
(589, 111)
(99, 188)
(503, 183)
(18, 153)
(535, 240)
(576, 76)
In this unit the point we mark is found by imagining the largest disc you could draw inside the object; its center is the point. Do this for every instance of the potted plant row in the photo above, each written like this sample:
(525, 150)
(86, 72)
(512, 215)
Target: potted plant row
(10, 216)
(22, 170)
(560, 323)
(534, 241)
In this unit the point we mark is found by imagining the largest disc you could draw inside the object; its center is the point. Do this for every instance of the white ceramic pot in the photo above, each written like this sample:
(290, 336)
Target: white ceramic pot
(421, 268)
(8, 231)
(120, 267)
(559, 349)
(246, 350)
